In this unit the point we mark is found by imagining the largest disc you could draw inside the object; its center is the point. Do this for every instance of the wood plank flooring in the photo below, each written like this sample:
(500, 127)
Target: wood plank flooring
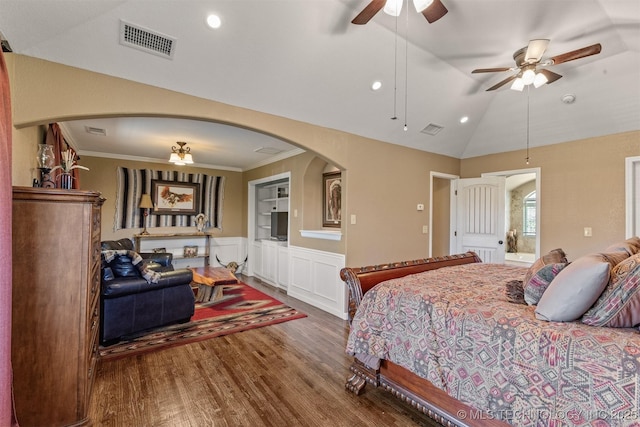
(290, 374)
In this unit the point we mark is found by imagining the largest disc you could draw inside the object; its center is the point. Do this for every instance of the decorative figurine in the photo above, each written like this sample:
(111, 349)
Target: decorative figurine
(201, 221)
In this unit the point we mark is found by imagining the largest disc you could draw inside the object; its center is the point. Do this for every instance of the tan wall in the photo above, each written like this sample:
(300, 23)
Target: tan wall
(102, 177)
(382, 183)
(582, 185)
(582, 181)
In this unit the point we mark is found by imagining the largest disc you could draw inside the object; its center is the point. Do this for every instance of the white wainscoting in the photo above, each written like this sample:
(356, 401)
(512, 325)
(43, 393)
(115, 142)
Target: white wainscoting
(314, 277)
(229, 249)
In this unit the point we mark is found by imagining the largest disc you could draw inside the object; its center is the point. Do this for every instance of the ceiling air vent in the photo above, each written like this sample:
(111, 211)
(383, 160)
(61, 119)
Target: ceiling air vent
(146, 40)
(432, 129)
(268, 150)
(95, 131)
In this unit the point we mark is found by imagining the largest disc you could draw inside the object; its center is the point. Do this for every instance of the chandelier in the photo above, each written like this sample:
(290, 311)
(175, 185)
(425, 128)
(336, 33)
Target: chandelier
(181, 156)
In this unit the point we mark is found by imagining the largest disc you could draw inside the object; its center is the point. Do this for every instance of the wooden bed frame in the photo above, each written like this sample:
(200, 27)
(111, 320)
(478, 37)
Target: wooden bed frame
(405, 385)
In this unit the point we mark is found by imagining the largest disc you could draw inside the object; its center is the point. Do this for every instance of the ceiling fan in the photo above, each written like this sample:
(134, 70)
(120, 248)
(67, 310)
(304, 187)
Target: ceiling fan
(431, 9)
(529, 65)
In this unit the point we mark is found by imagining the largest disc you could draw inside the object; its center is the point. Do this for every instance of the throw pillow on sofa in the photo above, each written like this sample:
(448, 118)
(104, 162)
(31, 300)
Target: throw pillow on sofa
(619, 304)
(149, 275)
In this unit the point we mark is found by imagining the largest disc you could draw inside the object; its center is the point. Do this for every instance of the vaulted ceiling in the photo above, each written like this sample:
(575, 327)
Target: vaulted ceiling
(304, 60)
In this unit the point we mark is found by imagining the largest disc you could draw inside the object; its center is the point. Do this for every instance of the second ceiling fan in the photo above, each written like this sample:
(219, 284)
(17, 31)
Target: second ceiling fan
(529, 65)
(432, 10)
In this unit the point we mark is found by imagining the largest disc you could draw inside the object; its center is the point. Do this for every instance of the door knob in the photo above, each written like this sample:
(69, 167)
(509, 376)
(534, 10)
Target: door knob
(500, 242)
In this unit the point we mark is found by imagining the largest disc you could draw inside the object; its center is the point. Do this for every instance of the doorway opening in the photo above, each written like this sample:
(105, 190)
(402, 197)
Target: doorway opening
(522, 215)
(442, 217)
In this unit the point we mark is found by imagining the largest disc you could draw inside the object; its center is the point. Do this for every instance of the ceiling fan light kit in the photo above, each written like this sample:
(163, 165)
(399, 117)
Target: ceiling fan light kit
(394, 7)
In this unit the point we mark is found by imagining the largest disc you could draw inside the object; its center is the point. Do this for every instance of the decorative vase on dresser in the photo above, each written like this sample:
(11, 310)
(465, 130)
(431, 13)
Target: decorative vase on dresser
(56, 314)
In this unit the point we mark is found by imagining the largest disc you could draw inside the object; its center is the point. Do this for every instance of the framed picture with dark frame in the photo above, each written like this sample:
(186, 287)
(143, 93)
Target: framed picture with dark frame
(332, 199)
(175, 198)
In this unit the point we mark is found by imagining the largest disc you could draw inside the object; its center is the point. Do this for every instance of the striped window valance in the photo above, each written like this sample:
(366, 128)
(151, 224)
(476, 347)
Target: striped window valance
(132, 183)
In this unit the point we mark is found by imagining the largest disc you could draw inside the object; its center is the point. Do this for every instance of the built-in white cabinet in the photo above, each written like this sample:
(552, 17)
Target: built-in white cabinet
(270, 197)
(275, 263)
(269, 247)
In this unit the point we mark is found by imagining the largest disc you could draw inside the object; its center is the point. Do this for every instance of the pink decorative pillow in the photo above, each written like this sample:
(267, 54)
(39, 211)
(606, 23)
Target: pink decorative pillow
(540, 282)
(554, 256)
(619, 304)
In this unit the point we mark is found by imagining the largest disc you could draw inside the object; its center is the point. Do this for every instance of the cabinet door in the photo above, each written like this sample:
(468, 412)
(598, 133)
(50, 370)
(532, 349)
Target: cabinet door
(283, 267)
(269, 261)
(257, 259)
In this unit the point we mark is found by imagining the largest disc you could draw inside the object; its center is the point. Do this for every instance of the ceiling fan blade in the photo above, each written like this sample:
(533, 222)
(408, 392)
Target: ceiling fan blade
(435, 11)
(368, 12)
(550, 75)
(503, 82)
(535, 50)
(491, 70)
(576, 54)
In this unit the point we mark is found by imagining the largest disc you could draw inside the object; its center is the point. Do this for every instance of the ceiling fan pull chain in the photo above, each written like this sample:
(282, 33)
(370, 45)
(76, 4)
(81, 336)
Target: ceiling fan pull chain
(528, 92)
(406, 69)
(395, 74)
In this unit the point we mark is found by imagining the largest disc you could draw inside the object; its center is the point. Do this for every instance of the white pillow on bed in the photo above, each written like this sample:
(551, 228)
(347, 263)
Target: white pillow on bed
(575, 289)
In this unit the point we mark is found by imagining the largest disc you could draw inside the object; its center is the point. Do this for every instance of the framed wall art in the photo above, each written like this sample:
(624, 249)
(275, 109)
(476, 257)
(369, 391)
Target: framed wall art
(332, 199)
(174, 197)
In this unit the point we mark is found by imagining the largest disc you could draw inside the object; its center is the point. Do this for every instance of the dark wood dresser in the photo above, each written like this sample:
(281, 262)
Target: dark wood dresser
(56, 314)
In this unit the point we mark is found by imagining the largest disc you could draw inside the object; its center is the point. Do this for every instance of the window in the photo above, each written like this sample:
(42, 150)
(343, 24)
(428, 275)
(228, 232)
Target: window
(529, 214)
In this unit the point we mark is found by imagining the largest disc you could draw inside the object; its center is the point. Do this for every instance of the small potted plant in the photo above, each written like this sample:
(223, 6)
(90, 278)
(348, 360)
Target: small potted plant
(67, 164)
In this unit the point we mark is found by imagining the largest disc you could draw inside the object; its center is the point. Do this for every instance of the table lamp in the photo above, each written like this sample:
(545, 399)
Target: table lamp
(146, 204)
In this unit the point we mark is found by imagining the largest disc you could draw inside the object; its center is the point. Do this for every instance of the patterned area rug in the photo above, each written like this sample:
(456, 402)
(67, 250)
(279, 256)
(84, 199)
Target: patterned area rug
(241, 308)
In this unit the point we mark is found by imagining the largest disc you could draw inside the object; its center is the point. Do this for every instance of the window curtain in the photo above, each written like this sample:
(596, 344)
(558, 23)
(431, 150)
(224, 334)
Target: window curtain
(7, 415)
(54, 137)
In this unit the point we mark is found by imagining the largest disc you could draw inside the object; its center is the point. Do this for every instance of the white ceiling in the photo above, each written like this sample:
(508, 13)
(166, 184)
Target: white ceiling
(304, 60)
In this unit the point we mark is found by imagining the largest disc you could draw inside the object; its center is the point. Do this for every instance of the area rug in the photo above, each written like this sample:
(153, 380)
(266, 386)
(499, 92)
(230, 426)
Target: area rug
(240, 308)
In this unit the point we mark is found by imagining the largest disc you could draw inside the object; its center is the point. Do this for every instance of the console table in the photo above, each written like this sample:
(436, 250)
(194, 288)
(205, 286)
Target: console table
(138, 238)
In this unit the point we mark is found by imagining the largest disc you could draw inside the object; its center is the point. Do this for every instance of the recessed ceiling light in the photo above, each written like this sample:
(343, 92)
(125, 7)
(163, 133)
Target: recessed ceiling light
(376, 85)
(464, 119)
(214, 21)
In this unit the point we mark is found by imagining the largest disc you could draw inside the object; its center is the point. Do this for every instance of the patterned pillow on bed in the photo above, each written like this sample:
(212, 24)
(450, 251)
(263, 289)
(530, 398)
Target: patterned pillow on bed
(540, 281)
(619, 304)
(554, 256)
(630, 246)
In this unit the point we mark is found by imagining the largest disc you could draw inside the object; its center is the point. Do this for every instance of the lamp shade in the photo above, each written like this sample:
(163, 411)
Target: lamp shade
(174, 158)
(518, 84)
(145, 202)
(539, 80)
(393, 7)
(421, 5)
(528, 76)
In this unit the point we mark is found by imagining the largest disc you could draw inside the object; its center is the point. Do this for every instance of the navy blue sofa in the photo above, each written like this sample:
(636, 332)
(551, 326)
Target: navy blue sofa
(130, 304)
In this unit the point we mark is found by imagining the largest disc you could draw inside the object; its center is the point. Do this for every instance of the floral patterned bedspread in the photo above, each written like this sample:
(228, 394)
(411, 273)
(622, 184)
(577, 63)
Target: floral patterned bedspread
(455, 327)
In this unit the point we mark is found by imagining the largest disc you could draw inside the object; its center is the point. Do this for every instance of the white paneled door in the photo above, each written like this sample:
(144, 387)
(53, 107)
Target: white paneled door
(480, 227)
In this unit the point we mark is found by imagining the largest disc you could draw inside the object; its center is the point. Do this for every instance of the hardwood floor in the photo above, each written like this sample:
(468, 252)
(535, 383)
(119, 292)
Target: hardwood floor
(290, 374)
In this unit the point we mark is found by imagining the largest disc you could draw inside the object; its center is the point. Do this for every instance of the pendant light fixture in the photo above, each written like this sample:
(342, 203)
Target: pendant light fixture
(181, 156)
